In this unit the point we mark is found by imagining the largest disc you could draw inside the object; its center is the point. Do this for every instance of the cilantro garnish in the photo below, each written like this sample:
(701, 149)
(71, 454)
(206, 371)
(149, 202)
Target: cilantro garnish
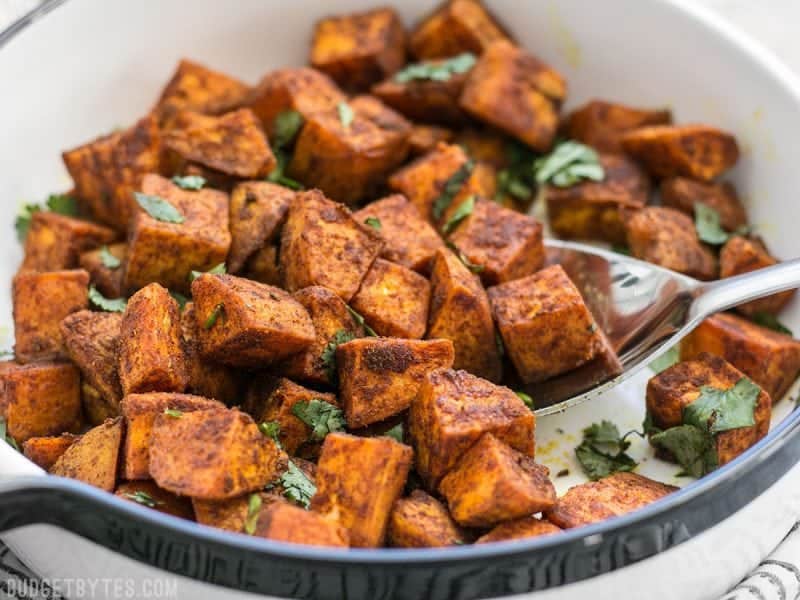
(373, 222)
(143, 498)
(106, 304)
(451, 187)
(179, 298)
(173, 412)
(219, 269)
(770, 321)
(109, 260)
(328, 356)
(322, 417)
(603, 451)
(253, 508)
(158, 208)
(436, 71)
(396, 433)
(526, 399)
(346, 114)
(462, 212)
(665, 361)
(57, 203)
(360, 320)
(286, 127)
(296, 486)
(569, 163)
(475, 268)
(189, 182)
(216, 312)
(271, 429)
(4, 435)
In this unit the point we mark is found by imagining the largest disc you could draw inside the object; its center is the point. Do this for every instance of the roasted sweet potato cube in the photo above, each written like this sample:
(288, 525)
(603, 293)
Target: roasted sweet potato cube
(93, 458)
(612, 496)
(515, 92)
(167, 253)
(264, 266)
(197, 88)
(149, 494)
(393, 300)
(545, 324)
(41, 301)
(519, 529)
(460, 312)
(273, 398)
(285, 522)
(96, 409)
(456, 26)
(349, 161)
(602, 124)
(54, 242)
(230, 514)
(769, 358)
(453, 409)
(45, 451)
(485, 145)
(107, 170)
(592, 210)
(91, 340)
(258, 210)
(380, 377)
(358, 481)
(244, 323)
(682, 193)
(424, 138)
(233, 143)
(667, 237)
(330, 316)
(492, 482)
(105, 273)
(140, 411)
(507, 244)
(359, 49)
(322, 244)
(212, 454)
(672, 390)
(742, 255)
(411, 241)
(150, 350)
(421, 521)
(697, 151)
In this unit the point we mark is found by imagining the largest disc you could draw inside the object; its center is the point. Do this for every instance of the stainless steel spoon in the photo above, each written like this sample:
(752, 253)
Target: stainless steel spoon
(644, 310)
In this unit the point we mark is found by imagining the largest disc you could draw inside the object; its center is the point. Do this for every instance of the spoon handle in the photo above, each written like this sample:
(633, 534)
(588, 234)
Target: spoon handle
(727, 293)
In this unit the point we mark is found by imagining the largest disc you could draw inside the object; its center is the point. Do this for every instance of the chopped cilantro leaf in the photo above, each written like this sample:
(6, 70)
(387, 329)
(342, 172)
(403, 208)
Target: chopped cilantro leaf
(436, 70)
(569, 163)
(296, 486)
(143, 498)
(462, 212)
(603, 451)
(323, 418)
(666, 360)
(328, 357)
(109, 260)
(106, 304)
(373, 222)
(770, 321)
(451, 187)
(218, 310)
(189, 182)
(346, 114)
(158, 208)
(219, 269)
(253, 508)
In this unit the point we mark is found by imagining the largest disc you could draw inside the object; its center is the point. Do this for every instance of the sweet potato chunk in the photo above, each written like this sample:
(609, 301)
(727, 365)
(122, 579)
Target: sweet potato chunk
(519, 529)
(96, 409)
(244, 323)
(149, 494)
(410, 239)
(211, 454)
(167, 253)
(456, 26)
(507, 244)
(54, 242)
(91, 340)
(593, 210)
(45, 451)
(486, 145)
(460, 312)
(421, 521)
(233, 143)
(358, 481)
(380, 377)
(453, 409)
(107, 170)
(359, 49)
(424, 138)
(546, 327)
(602, 124)
(258, 210)
(612, 496)
(322, 244)
(696, 151)
(273, 398)
(150, 351)
(349, 161)
(93, 458)
(107, 279)
(230, 514)
(140, 411)
(330, 316)
(769, 358)
(199, 89)
(515, 92)
(263, 266)
(666, 237)
(41, 301)
(682, 193)
(284, 522)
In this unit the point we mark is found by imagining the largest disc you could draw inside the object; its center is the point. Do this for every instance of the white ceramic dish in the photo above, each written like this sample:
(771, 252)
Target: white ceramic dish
(87, 66)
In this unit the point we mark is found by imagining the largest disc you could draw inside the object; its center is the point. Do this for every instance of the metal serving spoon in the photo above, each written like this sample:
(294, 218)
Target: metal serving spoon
(644, 310)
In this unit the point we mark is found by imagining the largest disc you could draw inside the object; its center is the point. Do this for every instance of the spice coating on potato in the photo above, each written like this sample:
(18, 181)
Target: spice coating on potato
(230, 514)
(602, 124)
(666, 237)
(393, 300)
(683, 194)
(380, 377)
(424, 138)
(460, 312)
(769, 358)
(453, 409)
(91, 340)
(358, 481)
(612, 496)
(284, 522)
(41, 301)
(96, 408)
(45, 451)
(167, 253)
(696, 151)
(212, 454)
(359, 49)
(263, 266)
(322, 244)
(421, 521)
(107, 279)
(148, 493)
(55, 242)
(93, 458)
(492, 482)
(519, 529)
(244, 323)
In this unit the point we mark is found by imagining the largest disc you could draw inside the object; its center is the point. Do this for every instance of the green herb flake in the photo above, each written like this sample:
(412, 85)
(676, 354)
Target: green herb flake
(158, 208)
(286, 127)
(253, 508)
(526, 399)
(475, 268)
(346, 114)
(462, 212)
(603, 451)
(436, 70)
(219, 269)
(328, 356)
(360, 320)
(722, 410)
(4, 435)
(62, 204)
(218, 310)
(180, 299)
(373, 222)
(323, 418)
(23, 221)
(106, 304)
(621, 249)
(296, 486)
(666, 360)
(173, 412)
(278, 176)
(707, 224)
(498, 341)
(691, 447)
(770, 321)
(569, 163)
(189, 182)
(451, 188)
(396, 433)
(271, 429)
(109, 260)
(143, 498)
